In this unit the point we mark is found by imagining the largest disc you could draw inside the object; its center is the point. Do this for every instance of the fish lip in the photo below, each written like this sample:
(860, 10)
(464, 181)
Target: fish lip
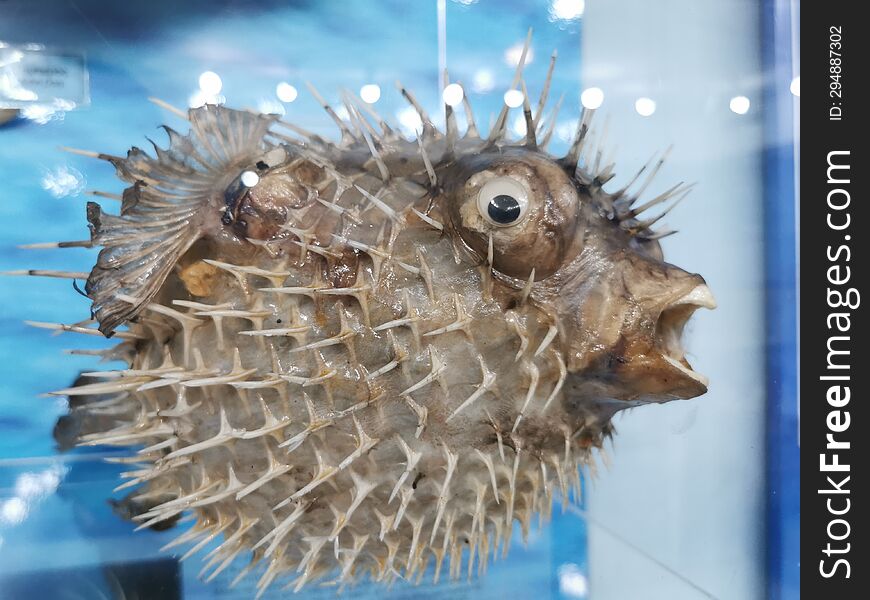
(700, 296)
(686, 369)
(669, 329)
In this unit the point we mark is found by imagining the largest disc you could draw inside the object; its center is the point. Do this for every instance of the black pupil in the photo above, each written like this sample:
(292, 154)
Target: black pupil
(503, 209)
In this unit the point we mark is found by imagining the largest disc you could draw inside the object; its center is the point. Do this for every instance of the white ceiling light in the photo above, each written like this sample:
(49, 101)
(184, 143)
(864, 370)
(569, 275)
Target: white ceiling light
(592, 98)
(645, 106)
(370, 93)
(513, 98)
(453, 94)
(286, 92)
(567, 9)
(210, 83)
(739, 105)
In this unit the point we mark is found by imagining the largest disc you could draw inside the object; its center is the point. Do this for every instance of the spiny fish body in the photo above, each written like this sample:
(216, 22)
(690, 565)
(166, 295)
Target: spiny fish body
(370, 357)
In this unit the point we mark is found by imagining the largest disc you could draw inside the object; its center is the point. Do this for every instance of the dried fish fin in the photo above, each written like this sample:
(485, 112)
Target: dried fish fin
(167, 207)
(135, 261)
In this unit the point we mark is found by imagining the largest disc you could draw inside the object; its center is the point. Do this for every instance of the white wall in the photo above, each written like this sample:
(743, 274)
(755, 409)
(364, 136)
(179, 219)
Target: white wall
(679, 512)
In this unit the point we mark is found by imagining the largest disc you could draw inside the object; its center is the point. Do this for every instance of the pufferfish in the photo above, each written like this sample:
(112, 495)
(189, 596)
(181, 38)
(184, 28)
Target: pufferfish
(363, 358)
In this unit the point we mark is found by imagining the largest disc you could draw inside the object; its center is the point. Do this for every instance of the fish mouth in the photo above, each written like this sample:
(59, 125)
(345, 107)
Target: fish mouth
(670, 325)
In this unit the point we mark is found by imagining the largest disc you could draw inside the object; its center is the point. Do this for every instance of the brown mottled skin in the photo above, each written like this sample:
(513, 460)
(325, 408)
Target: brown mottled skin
(350, 367)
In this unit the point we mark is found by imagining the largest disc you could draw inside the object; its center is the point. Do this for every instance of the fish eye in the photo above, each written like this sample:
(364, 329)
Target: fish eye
(503, 202)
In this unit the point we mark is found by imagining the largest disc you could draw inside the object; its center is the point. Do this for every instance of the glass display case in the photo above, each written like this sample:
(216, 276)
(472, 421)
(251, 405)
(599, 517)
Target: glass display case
(690, 499)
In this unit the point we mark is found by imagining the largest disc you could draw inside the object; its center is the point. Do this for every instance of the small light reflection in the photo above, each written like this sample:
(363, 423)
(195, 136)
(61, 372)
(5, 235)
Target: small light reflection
(453, 94)
(370, 93)
(739, 105)
(592, 98)
(13, 511)
(512, 55)
(209, 92)
(30, 485)
(9, 83)
(645, 106)
(409, 121)
(567, 10)
(286, 92)
(250, 179)
(271, 107)
(210, 83)
(30, 488)
(44, 113)
(13, 90)
(483, 81)
(11, 57)
(341, 111)
(572, 581)
(795, 86)
(518, 126)
(39, 113)
(63, 181)
(513, 98)
(198, 98)
(566, 130)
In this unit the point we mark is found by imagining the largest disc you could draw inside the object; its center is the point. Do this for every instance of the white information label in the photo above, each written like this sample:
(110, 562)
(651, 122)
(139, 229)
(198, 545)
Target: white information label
(32, 75)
